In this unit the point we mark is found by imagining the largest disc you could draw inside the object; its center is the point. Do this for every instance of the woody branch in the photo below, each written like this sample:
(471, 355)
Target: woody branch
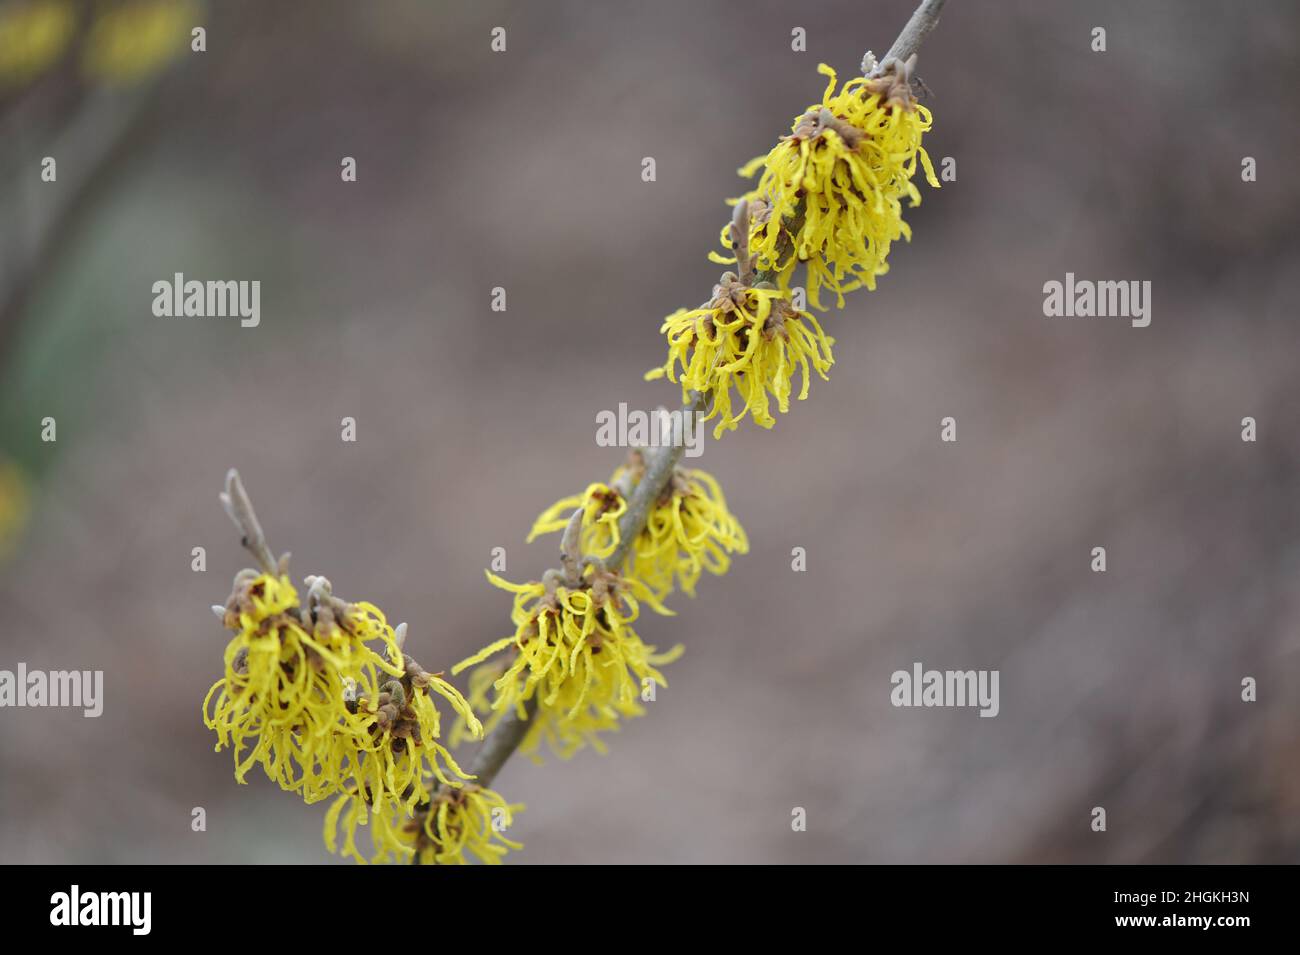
(660, 463)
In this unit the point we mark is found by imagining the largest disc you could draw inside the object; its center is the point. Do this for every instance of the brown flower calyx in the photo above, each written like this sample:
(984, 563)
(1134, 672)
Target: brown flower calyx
(416, 675)
(322, 615)
(603, 583)
(610, 498)
(392, 711)
(325, 613)
(816, 121)
(245, 587)
(760, 211)
(393, 708)
(390, 705)
(729, 294)
(892, 79)
(677, 485)
(782, 311)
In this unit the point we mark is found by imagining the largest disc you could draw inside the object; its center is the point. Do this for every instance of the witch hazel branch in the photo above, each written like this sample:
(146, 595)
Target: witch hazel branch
(322, 695)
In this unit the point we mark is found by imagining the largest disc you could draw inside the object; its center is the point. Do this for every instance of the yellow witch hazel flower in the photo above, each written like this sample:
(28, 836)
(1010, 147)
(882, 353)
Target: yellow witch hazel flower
(14, 505)
(33, 36)
(688, 530)
(830, 194)
(452, 827)
(749, 338)
(282, 695)
(574, 656)
(121, 43)
(394, 728)
(602, 505)
(302, 694)
(128, 42)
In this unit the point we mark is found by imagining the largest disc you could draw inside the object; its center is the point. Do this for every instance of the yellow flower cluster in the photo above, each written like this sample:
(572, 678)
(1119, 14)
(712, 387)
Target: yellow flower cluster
(690, 532)
(447, 829)
(282, 697)
(124, 42)
(396, 727)
(32, 37)
(748, 338)
(131, 41)
(14, 505)
(830, 194)
(305, 695)
(327, 715)
(574, 656)
(687, 531)
(603, 505)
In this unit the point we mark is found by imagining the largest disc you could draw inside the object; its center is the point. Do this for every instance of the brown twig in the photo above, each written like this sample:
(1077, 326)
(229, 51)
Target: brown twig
(659, 465)
(237, 504)
(501, 743)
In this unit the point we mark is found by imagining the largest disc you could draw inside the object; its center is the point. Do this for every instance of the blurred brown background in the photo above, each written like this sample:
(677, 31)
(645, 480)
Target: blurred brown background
(522, 170)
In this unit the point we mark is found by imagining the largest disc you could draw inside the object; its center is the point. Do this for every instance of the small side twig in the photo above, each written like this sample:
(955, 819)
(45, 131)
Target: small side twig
(740, 241)
(235, 500)
(571, 549)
